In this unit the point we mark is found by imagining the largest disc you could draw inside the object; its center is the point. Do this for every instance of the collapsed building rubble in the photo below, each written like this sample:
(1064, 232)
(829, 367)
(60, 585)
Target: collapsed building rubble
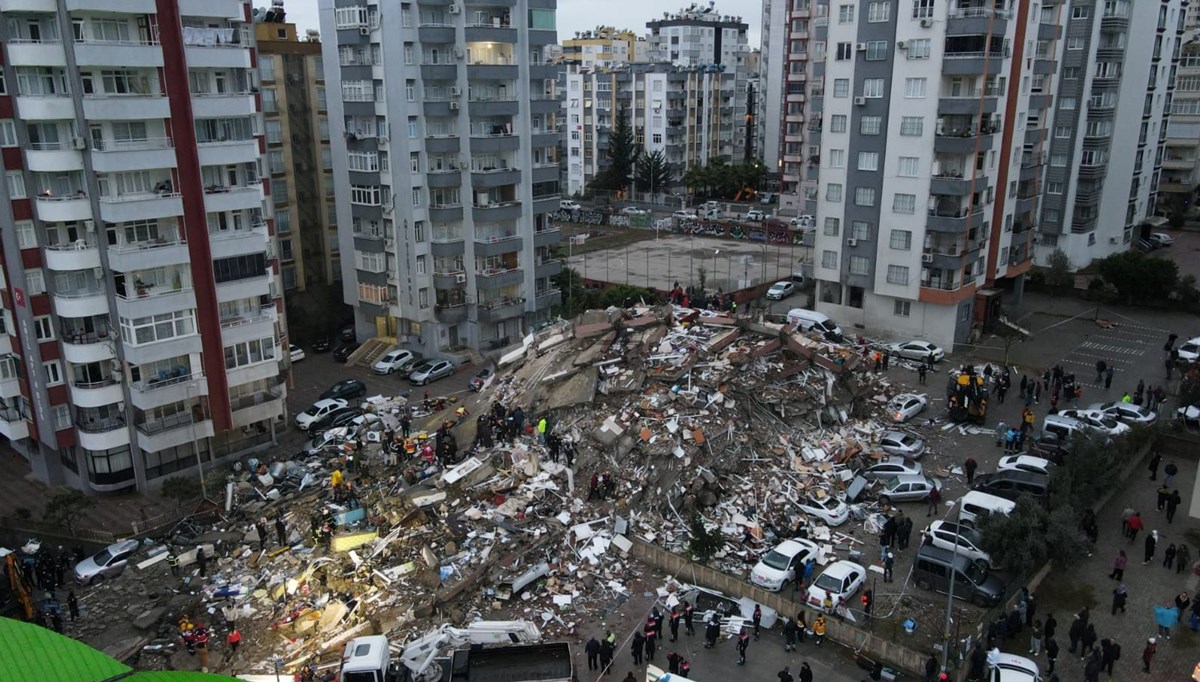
(654, 415)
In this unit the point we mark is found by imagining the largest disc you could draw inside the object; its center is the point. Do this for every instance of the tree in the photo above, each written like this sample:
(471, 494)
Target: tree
(704, 543)
(1138, 278)
(1006, 537)
(1058, 271)
(577, 299)
(652, 173)
(181, 489)
(622, 154)
(65, 506)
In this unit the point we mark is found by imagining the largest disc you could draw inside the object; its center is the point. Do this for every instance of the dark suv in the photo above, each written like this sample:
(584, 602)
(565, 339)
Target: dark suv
(1012, 484)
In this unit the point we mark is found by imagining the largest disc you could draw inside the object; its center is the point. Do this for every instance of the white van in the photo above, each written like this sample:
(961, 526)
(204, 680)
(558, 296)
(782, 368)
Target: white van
(976, 504)
(812, 320)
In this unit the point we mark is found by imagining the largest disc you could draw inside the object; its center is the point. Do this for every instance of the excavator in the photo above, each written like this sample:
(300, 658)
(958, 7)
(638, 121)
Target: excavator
(368, 659)
(20, 589)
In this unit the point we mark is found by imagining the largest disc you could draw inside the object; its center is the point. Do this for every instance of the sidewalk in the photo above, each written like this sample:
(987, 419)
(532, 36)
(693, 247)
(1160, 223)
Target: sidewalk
(113, 514)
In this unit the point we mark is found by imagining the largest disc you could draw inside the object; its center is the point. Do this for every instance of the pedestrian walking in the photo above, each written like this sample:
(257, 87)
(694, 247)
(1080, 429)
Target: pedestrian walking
(1134, 525)
(970, 466)
(1150, 650)
(1182, 602)
(685, 667)
(819, 629)
(743, 643)
(233, 639)
(651, 635)
(637, 646)
(711, 629)
(673, 622)
(1165, 616)
(935, 498)
(1051, 654)
(1169, 556)
(1169, 472)
(903, 533)
(1151, 543)
(1035, 638)
(806, 673)
(1087, 641)
(1153, 467)
(1183, 559)
(73, 606)
(1120, 596)
(1108, 377)
(888, 562)
(1075, 633)
(785, 675)
(261, 530)
(886, 359)
(1101, 366)
(688, 613)
(1001, 432)
(673, 661)
(931, 666)
(606, 656)
(592, 648)
(757, 619)
(921, 372)
(1162, 494)
(789, 634)
(173, 563)
(1118, 572)
(629, 677)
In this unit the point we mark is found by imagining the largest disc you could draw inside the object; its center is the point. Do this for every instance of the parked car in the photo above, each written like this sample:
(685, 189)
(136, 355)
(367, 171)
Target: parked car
(394, 360)
(909, 488)
(106, 563)
(568, 205)
(1126, 412)
(481, 379)
(328, 438)
(902, 444)
(778, 567)
(1049, 446)
(295, 352)
(430, 371)
(1162, 239)
(634, 210)
(915, 350)
(346, 389)
(345, 350)
(755, 216)
(347, 333)
(1098, 421)
(890, 468)
(804, 222)
(319, 409)
(708, 602)
(1014, 668)
(946, 534)
(840, 580)
(1189, 415)
(829, 508)
(320, 345)
(1012, 484)
(1189, 351)
(906, 406)
(781, 290)
(684, 215)
(1145, 245)
(332, 420)
(1037, 465)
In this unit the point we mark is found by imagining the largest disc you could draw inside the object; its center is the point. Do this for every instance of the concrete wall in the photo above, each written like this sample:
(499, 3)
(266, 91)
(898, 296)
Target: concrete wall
(869, 644)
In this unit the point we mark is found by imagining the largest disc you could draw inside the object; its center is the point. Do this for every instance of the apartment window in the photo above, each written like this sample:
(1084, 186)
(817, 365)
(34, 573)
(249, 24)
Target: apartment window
(1079, 12)
(3, 85)
(832, 226)
(837, 158)
(1066, 103)
(35, 282)
(1050, 215)
(873, 87)
(878, 12)
(1058, 160)
(877, 50)
(364, 195)
(913, 126)
(845, 52)
(845, 14)
(239, 267)
(322, 127)
(1070, 73)
(860, 230)
(897, 274)
(841, 87)
(870, 125)
(914, 87)
(837, 123)
(26, 234)
(1062, 131)
(416, 196)
(864, 196)
(274, 132)
(8, 133)
(327, 160)
(868, 161)
(901, 240)
(53, 372)
(904, 203)
(249, 352)
(16, 184)
(922, 9)
(829, 259)
(860, 265)
(275, 161)
(908, 166)
(833, 191)
(902, 308)
(920, 48)
(1054, 188)
(1075, 43)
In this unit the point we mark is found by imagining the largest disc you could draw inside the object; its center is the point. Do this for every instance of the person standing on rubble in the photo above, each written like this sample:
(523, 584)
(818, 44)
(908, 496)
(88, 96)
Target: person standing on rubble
(673, 622)
(280, 531)
(592, 648)
(888, 562)
(541, 430)
(903, 533)
(261, 529)
(594, 487)
(518, 422)
(201, 561)
(743, 643)
(637, 647)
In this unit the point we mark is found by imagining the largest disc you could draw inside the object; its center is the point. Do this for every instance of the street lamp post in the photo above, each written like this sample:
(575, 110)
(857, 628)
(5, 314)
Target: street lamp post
(950, 606)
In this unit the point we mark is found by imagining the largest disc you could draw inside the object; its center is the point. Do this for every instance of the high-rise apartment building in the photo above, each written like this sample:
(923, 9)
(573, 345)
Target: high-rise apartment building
(1105, 143)
(686, 112)
(1181, 160)
(605, 46)
(783, 103)
(299, 158)
(141, 315)
(452, 247)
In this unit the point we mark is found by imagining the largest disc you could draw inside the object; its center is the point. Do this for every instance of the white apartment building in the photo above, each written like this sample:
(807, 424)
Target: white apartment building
(1181, 158)
(143, 331)
(452, 247)
(784, 106)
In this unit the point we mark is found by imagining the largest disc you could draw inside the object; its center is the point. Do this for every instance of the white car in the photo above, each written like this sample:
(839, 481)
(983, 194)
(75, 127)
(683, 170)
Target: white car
(394, 361)
(1162, 239)
(1100, 421)
(902, 444)
(945, 534)
(1190, 350)
(1014, 668)
(891, 468)
(755, 216)
(778, 567)
(1126, 412)
(568, 205)
(319, 409)
(684, 215)
(781, 290)
(915, 350)
(634, 210)
(1190, 414)
(840, 580)
(804, 222)
(906, 406)
(829, 509)
(1037, 465)
(296, 352)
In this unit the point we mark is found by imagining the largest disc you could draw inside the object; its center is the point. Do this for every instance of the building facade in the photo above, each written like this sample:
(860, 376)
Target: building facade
(605, 46)
(452, 248)
(299, 158)
(923, 107)
(686, 112)
(1112, 90)
(1180, 179)
(143, 321)
(784, 105)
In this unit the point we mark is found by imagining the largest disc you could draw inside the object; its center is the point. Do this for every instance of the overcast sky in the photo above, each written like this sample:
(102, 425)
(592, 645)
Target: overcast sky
(578, 15)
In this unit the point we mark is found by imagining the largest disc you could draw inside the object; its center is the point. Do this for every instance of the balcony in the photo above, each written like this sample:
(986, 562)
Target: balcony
(12, 425)
(1175, 162)
(136, 299)
(82, 348)
(63, 209)
(224, 244)
(52, 157)
(1175, 187)
(547, 298)
(547, 237)
(101, 432)
(114, 156)
(496, 244)
(39, 6)
(103, 391)
(56, 107)
(450, 314)
(123, 208)
(977, 20)
(81, 302)
(503, 309)
(126, 107)
(497, 211)
(117, 6)
(248, 287)
(228, 152)
(80, 254)
(223, 9)
(36, 53)
(174, 431)
(117, 53)
(216, 48)
(494, 278)
(264, 314)
(951, 183)
(167, 389)
(162, 251)
(956, 220)
(964, 141)
(495, 177)
(221, 104)
(968, 104)
(256, 407)
(219, 199)
(547, 267)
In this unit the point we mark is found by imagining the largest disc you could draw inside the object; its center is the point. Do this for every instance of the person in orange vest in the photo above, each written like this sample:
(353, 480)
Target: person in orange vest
(233, 639)
(819, 628)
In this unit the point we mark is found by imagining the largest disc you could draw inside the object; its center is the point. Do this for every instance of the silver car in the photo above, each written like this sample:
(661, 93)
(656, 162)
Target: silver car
(902, 444)
(891, 468)
(909, 488)
(430, 371)
(106, 563)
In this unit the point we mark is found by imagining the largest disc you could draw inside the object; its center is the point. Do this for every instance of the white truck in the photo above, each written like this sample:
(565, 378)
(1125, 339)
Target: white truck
(369, 659)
